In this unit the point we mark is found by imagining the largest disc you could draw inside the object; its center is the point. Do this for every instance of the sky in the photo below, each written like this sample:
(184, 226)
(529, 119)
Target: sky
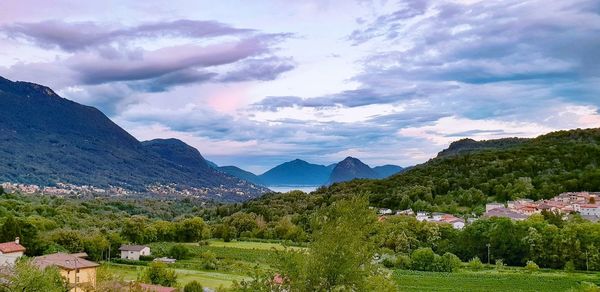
(259, 83)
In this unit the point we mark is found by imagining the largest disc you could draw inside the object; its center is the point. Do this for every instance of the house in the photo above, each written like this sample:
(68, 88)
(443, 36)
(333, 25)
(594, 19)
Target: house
(422, 216)
(507, 213)
(408, 212)
(133, 252)
(10, 252)
(590, 210)
(79, 273)
(492, 206)
(437, 216)
(457, 223)
(385, 211)
(526, 209)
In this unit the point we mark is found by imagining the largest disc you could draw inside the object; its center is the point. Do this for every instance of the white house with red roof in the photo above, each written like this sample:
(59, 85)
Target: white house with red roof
(10, 252)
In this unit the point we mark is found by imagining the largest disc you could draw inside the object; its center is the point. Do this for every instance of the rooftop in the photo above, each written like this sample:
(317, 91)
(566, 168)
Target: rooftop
(64, 261)
(10, 247)
(132, 247)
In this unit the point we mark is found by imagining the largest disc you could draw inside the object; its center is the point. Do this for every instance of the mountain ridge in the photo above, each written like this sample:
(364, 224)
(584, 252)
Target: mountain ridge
(50, 139)
(536, 168)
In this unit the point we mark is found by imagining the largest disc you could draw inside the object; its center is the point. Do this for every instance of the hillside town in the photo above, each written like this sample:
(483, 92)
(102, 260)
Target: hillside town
(585, 204)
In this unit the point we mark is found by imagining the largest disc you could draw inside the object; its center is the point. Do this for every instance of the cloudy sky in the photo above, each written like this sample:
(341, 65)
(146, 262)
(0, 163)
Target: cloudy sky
(257, 83)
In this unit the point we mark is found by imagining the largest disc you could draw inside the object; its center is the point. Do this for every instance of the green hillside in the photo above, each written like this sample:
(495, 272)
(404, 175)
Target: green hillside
(537, 168)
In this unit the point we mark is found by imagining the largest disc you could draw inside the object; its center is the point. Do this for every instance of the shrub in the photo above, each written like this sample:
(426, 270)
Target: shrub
(158, 274)
(129, 262)
(423, 259)
(475, 264)
(403, 262)
(147, 258)
(179, 252)
(209, 260)
(532, 266)
(388, 260)
(569, 267)
(500, 264)
(193, 286)
(448, 263)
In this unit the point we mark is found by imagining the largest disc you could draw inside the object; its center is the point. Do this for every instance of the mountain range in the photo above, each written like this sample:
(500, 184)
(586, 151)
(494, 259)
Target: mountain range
(301, 173)
(46, 139)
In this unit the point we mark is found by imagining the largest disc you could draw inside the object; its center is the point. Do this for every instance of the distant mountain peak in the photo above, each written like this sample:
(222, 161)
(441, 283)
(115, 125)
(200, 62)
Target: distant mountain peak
(296, 172)
(351, 168)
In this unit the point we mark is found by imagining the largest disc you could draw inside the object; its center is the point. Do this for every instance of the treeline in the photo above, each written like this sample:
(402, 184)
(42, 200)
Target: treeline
(546, 240)
(538, 168)
(48, 224)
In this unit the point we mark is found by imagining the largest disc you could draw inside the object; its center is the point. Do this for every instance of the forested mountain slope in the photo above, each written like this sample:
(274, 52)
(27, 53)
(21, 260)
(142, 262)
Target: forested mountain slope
(46, 139)
(536, 168)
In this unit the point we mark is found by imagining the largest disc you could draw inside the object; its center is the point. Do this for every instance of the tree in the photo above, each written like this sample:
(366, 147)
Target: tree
(191, 229)
(179, 251)
(158, 274)
(341, 252)
(448, 263)
(193, 286)
(10, 229)
(423, 259)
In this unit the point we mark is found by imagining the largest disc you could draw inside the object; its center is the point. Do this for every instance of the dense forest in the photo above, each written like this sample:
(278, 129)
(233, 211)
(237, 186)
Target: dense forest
(463, 181)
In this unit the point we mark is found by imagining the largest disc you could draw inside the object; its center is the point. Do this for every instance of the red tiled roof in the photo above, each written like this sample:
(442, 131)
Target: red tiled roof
(591, 206)
(10, 247)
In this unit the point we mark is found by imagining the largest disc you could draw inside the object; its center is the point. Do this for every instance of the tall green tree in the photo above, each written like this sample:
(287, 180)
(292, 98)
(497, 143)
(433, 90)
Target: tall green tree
(340, 257)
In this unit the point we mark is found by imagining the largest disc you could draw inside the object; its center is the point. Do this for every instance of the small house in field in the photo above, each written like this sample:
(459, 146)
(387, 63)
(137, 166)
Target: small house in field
(10, 252)
(133, 252)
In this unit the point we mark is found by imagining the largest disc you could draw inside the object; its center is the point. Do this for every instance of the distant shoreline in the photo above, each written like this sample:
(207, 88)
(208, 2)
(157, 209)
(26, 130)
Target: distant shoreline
(287, 188)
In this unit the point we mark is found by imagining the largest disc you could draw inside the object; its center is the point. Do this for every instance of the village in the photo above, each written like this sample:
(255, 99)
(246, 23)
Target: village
(583, 203)
(78, 272)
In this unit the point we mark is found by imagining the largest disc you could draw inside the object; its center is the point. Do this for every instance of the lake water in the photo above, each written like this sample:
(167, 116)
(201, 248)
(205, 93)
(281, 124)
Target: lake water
(285, 189)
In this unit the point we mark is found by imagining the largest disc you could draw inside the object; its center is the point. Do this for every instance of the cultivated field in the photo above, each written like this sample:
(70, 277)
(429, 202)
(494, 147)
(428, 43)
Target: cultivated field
(221, 263)
(215, 265)
(513, 280)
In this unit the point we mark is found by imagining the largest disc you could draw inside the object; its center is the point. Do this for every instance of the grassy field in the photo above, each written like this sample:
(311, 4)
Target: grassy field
(249, 245)
(233, 261)
(184, 276)
(237, 259)
(491, 281)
